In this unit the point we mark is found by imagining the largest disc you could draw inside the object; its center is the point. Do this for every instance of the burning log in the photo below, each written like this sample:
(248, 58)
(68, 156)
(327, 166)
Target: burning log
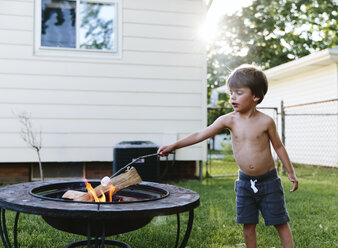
(130, 177)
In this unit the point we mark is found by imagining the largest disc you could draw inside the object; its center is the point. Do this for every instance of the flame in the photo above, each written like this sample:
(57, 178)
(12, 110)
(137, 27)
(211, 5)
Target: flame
(111, 192)
(95, 197)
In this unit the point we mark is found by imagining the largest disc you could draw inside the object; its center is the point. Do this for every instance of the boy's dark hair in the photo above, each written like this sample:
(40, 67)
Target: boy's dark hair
(249, 76)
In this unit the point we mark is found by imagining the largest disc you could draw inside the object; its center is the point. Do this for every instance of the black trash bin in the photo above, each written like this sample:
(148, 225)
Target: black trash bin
(126, 151)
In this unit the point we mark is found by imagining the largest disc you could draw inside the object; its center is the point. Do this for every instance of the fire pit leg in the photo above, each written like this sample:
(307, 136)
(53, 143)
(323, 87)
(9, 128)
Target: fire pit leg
(1, 232)
(97, 241)
(178, 230)
(15, 230)
(3, 229)
(187, 232)
(103, 235)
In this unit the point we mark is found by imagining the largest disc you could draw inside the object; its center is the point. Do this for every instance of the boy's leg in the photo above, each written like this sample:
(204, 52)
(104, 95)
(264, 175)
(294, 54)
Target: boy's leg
(249, 231)
(285, 235)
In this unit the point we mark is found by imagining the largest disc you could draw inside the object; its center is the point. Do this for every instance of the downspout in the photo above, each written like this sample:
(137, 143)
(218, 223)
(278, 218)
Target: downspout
(209, 4)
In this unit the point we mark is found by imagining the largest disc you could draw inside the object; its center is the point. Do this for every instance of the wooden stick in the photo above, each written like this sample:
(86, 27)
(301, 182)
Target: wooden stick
(130, 177)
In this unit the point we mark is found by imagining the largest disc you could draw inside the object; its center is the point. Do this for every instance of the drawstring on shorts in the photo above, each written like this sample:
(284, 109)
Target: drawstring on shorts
(253, 186)
(255, 179)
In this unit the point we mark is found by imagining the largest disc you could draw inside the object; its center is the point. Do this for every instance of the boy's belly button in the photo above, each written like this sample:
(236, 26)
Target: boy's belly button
(251, 166)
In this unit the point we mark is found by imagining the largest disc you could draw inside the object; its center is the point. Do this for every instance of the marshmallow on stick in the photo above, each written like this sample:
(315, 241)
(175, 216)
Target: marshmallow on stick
(105, 181)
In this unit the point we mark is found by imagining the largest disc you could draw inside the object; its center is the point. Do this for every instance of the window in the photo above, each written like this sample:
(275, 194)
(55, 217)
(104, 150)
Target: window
(75, 26)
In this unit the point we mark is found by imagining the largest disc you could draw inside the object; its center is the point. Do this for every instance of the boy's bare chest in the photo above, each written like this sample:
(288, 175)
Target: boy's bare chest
(251, 132)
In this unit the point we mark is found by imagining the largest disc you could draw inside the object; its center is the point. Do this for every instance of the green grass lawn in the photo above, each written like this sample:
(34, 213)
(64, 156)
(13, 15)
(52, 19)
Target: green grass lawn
(313, 212)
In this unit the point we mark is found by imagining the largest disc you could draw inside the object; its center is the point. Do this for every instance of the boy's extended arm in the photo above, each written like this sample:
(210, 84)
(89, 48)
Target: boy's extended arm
(195, 137)
(282, 154)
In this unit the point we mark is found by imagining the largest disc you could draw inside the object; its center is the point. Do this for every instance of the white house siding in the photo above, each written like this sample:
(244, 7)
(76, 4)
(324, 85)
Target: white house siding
(309, 139)
(315, 84)
(156, 91)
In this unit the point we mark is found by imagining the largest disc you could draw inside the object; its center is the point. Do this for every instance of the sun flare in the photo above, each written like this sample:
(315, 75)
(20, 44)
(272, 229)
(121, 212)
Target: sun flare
(218, 9)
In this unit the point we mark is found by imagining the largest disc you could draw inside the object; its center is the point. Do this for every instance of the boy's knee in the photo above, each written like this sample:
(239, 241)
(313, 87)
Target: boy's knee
(282, 226)
(249, 228)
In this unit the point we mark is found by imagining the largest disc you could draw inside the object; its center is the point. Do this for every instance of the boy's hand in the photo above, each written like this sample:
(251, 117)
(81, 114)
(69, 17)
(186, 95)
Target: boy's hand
(164, 150)
(294, 180)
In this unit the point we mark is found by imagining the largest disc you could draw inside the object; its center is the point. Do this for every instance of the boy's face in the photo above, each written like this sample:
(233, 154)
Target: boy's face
(242, 99)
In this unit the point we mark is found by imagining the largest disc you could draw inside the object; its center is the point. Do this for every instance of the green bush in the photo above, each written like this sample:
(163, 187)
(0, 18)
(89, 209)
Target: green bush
(227, 148)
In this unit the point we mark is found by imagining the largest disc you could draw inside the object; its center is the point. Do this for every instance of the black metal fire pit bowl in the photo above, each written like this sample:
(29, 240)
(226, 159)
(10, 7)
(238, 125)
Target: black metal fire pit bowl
(133, 208)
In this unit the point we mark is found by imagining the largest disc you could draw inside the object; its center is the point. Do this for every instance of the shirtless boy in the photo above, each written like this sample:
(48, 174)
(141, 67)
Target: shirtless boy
(258, 187)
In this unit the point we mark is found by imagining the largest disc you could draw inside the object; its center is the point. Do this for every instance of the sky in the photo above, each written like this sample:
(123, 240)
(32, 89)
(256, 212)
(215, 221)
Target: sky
(216, 11)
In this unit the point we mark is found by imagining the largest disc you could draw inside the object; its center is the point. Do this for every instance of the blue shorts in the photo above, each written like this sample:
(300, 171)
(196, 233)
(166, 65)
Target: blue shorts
(264, 193)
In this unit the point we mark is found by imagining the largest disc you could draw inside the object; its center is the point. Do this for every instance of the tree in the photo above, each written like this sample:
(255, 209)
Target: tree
(98, 28)
(31, 137)
(269, 33)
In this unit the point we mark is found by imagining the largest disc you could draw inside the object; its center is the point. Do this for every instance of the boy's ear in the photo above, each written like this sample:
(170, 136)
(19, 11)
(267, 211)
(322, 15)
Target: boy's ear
(256, 98)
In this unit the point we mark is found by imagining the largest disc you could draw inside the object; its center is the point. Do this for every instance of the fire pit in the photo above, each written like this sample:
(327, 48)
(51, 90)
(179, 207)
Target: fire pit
(131, 209)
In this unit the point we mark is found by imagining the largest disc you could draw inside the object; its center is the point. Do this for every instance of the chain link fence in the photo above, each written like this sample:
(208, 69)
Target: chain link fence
(309, 132)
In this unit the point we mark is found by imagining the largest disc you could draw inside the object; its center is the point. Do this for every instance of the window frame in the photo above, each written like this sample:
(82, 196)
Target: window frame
(77, 52)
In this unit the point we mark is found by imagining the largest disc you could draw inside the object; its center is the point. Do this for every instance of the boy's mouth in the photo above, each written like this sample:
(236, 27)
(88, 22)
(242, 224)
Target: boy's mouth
(234, 104)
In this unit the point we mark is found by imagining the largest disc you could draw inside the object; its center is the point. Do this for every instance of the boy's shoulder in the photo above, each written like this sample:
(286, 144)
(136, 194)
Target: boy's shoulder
(265, 118)
(229, 116)
(228, 120)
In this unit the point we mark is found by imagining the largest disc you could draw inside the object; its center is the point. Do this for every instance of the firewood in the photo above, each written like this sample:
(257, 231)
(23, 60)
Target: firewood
(71, 194)
(127, 198)
(130, 177)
